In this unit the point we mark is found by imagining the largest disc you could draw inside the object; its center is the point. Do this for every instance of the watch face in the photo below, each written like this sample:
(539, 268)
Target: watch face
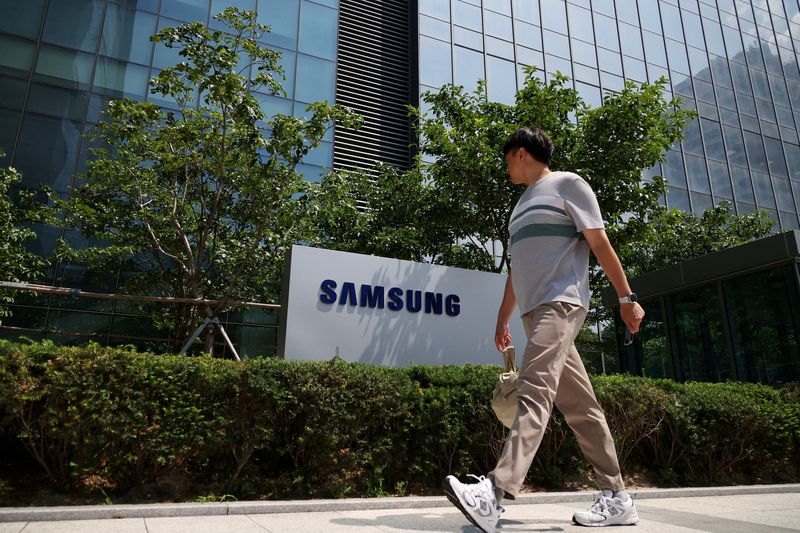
(632, 297)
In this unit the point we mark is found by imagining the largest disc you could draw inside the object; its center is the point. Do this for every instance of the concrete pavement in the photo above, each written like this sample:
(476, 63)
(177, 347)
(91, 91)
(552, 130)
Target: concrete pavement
(769, 508)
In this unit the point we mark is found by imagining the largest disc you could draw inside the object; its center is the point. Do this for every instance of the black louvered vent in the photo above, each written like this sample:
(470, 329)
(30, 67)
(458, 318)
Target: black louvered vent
(376, 77)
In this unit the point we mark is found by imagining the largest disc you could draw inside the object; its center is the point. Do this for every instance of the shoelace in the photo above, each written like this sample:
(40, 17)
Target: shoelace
(601, 504)
(480, 487)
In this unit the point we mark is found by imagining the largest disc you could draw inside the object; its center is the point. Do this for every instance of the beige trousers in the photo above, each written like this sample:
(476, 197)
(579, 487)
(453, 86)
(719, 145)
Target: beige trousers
(552, 373)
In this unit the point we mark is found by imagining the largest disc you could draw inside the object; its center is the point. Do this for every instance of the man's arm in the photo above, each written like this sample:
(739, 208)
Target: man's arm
(502, 334)
(632, 314)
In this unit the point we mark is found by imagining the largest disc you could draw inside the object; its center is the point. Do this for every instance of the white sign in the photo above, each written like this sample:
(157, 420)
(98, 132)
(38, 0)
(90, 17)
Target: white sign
(390, 312)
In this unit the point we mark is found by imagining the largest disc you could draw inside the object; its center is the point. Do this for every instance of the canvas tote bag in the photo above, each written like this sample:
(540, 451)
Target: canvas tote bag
(504, 397)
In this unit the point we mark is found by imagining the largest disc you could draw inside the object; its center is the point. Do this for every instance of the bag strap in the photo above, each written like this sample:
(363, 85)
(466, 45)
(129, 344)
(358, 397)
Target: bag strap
(510, 358)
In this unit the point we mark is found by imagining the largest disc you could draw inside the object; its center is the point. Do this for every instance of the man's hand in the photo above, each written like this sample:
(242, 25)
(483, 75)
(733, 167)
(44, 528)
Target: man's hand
(632, 314)
(502, 336)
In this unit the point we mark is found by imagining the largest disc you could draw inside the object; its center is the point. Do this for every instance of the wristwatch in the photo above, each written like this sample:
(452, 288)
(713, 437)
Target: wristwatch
(629, 299)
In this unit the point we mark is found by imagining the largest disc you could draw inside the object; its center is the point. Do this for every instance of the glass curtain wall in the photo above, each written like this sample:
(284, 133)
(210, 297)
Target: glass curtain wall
(62, 61)
(744, 328)
(735, 62)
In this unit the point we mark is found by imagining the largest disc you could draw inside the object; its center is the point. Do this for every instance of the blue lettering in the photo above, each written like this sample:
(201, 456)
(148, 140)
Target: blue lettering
(348, 294)
(328, 292)
(371, 297)
(433, 303)
(395, 299)
(452, 305)
(413, 301)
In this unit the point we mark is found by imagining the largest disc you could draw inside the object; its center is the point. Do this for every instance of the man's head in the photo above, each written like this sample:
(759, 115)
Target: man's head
(528, 153)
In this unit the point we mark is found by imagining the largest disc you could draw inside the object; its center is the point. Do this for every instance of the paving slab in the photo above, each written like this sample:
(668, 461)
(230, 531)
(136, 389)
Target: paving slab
(12, 527)
(204, 524)
(123, 525)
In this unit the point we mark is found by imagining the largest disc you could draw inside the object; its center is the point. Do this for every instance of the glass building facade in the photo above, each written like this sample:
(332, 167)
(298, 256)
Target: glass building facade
(734, 61)
(62, 61)
(729, 316)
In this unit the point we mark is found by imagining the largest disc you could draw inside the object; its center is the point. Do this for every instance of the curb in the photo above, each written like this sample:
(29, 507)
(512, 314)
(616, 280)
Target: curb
(164, 510)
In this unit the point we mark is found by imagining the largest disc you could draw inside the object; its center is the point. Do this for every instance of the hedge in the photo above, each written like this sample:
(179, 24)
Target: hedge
(267, 428)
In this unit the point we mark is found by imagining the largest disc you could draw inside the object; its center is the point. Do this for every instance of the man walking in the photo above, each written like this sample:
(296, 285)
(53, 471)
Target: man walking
(554, 225)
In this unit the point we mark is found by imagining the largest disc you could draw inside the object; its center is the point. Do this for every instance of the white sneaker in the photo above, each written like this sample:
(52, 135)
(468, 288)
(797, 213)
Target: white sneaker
(608, 511)
(475, 500)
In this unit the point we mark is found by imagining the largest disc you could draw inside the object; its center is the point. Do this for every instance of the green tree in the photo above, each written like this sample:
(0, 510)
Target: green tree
(463, 197)
(17, 263)
(201, 202)
(669, 236)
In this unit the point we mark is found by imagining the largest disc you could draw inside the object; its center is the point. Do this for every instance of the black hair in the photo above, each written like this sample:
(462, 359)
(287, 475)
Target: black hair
(535, 141)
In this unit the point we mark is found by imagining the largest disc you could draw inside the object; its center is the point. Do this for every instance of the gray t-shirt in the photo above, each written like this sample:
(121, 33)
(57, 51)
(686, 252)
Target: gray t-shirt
(550, 258)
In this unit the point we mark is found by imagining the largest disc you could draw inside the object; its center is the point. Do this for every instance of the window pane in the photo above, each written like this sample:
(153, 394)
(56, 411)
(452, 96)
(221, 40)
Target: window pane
(755, 151)
(500, 6)
(697, 174)
(22, 17)
(584, 53)
(712, 139)
(634, 69)
(501, 82)
(763, 187)
(720, 180)
(9, 121)
(554, 17)
(648, 12)
(57, 101)
(434, 62)
(733, 43)
(775, 159)
(580, 23)
(63, 67)
(467, 15)
(606, 32)
(435, 8)
(315, 79)
(678, 199)
(556, 44)
(473, 39)
(793, 158)
(631, 39)
(434, 28)
(528, 57)
(281, 16)
(673, 169)
(126, 34)
(671, 18)
(654, 49)
(46, 151)
(499, 48)
(468, 66)
(693, 30)
(699, 334)
(743, 189)
(783, 193)
(186, 10)
(676, 52)
(698, 62)
(721, 74)
(627, 11)
(714, 40)
(610, 61)
(74, 23)
(17, 56)
(527, 11)
(528, 35)
(318, 30)
(12, 92)
(693, 142)
(741, 78)
(761, 307)
(119, 79)
(498, 25)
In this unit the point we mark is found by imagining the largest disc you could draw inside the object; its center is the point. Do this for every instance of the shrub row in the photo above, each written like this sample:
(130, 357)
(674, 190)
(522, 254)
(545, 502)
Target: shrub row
(275, 429)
